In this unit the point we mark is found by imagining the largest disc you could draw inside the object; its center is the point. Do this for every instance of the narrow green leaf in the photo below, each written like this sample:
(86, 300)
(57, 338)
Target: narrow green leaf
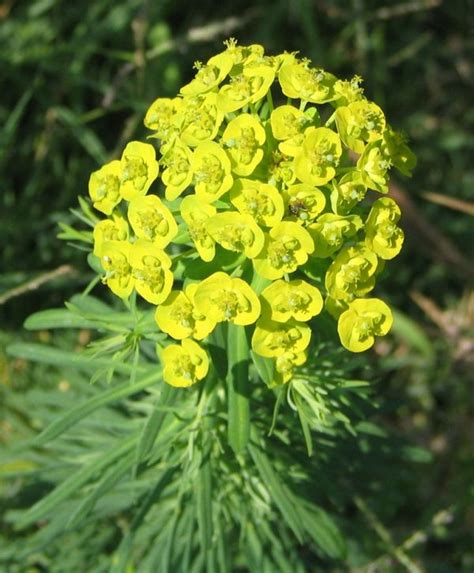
(204, 506)
(238, 387)
(277, 489)
(265, 367)
(73, 416)
(153, 426)
(323, 530)
(54, 356)
(56, 318)
(70, 486)
(104, 485)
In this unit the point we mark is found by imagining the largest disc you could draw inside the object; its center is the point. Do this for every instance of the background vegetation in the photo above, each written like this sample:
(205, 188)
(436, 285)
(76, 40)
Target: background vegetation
(77, 79)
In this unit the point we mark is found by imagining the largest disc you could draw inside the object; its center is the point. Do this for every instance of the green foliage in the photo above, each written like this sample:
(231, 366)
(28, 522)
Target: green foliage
(74, 91)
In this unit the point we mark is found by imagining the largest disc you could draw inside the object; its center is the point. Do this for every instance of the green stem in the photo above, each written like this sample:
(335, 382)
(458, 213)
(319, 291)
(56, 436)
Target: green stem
(238, 388)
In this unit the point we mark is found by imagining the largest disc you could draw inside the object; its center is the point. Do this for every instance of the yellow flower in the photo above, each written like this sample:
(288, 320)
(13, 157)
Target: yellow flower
(209, 75)
(118, 270)
(362, 321)
(139, 168)
(195, 214)
(245, 88)
(211, 168)
(287, 122)
(179, 317)
(319, 156)
(348, 91)
(381, 232)
(330, 232)
(115, 229)
(347, 192)
(358, 123)
(200, 119)
(280, 169)
(273, 339)
(304, 202)
(178, 173)
(223, 298)
(374, 165)
(286, 248)
(241, 54)
(351, 274)
(260, 200)
(398, 151)
(284, 366)
(152, 220)
(236, 232)
(243, 138)
(161, 117)
(104, 187)
(151, 271)
(298, 80)
(184, 364)
(293, 299)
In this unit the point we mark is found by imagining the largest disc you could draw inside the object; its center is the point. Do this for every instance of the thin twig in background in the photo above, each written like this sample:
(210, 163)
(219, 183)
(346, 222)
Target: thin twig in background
(33, 284)
(451, 202)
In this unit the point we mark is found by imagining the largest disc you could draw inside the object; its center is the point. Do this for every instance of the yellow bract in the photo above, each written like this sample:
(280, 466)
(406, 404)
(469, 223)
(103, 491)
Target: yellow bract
(104, 187)
(179, 317)
(115, 229)
(209, 75)
(298, 80)
(363, 320)
(115, 260)
(151, 271)
(139, 168)
(381, 232)
(273, 339)
(260, 200)
(330, 232)
(359, 123)
(236, 232)
(211, 168)
(243, 139)
(294, 299)
(161, 117)
(184, 364)
(223, 298)
(319, 156)
(151, 220)
(286, 248)
(304, 202)
(245, 88)
(178, 172)
(285, 364)
(195, 214)
(352, 273)
(199, 119)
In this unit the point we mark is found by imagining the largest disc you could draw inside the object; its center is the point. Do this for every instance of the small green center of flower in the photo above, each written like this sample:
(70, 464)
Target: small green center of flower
(230, 303)
(151, 273)
(109, 186)
(281, 252)
(182, 313)
(152, 224)
(236, 237)
(135, 170)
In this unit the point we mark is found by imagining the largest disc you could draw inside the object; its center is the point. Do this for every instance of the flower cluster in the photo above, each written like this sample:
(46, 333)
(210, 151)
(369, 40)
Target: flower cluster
(277, 196)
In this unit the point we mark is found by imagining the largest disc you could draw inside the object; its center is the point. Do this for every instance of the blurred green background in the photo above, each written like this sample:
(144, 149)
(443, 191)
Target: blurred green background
(77, 78)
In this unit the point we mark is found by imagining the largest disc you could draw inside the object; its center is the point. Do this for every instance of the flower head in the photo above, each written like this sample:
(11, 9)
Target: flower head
(104, 187)
(151, 271)
(243, 138)
(115, 260)
(151, 220)
(316, 163)
(272, 339)
(292, 299)
(381, 232)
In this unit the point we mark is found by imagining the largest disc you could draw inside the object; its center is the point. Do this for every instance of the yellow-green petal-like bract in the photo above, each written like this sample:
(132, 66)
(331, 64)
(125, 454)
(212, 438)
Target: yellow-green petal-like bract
(104, 187)
(184, 364)
(151, 271)
(364, 319)
(139, 168)
(291, 299)
(223, 298)
(115, 260)
(272, 339)
(152, 220)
